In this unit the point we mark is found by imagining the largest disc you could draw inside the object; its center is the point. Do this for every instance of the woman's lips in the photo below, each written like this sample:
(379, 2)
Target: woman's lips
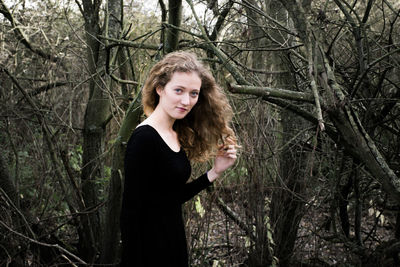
(182, 109)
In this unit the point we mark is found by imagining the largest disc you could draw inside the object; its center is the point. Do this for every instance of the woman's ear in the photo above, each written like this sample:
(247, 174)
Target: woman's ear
(159, 90)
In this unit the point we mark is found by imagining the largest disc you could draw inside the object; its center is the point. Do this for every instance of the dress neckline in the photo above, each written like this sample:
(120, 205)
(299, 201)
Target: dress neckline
(162, 139)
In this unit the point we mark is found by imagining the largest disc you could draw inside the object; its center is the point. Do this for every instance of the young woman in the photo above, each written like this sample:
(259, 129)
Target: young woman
(188, 117)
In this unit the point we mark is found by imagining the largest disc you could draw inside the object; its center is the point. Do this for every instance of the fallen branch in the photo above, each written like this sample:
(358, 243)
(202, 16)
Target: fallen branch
(234, 217)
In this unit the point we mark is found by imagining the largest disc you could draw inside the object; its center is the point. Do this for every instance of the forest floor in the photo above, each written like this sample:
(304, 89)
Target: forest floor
(215, 240)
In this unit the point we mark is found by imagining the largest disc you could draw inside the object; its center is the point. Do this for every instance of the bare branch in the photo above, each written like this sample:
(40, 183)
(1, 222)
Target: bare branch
(271, 92)
(119, 42)
(312, 68)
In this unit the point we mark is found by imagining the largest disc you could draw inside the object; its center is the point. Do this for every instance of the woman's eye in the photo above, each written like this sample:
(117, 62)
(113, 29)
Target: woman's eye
(194, 94)
(178, 90)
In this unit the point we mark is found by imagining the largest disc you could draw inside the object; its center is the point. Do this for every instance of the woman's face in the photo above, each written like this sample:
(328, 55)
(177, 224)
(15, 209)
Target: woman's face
(180, 94)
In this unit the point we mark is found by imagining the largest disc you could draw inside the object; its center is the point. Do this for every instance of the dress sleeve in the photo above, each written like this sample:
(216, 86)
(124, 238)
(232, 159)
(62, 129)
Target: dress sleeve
(194, 187)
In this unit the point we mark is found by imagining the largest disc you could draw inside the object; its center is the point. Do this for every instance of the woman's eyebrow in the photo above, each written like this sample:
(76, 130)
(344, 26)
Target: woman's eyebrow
(183, 87)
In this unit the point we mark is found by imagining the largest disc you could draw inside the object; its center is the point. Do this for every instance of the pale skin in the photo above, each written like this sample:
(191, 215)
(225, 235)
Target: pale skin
(177, 98)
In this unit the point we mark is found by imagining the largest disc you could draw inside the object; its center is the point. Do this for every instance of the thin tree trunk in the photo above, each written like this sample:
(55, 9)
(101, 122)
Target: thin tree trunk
(358, 208)
(287, 204)
(344, 191)
(111, 238)
(6, 182)
(261, 252)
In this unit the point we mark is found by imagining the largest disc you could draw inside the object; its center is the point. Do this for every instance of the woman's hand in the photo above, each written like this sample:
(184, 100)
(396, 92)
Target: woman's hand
(225, 158)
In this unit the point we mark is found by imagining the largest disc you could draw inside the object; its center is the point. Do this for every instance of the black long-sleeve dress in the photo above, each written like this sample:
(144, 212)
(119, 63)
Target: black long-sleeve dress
(152, 228)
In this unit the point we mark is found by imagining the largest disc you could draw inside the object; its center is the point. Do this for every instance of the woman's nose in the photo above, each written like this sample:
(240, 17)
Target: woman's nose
(185, 99)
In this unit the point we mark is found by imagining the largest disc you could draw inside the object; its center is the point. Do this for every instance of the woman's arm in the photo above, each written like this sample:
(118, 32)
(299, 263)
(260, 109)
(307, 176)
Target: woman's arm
(225, 159)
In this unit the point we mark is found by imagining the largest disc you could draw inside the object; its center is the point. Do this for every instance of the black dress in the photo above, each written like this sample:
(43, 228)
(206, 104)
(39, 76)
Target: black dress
(152, 228)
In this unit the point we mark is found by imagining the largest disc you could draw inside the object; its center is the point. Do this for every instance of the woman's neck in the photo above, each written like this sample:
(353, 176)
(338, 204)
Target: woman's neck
(161, 120)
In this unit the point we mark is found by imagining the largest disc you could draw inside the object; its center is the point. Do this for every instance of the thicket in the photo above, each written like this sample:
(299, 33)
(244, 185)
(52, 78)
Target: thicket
(315, 90)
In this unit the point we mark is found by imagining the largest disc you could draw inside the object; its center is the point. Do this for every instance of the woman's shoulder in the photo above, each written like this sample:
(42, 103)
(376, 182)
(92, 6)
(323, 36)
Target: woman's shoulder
(142, 144)
(143, 134)
(143, 128)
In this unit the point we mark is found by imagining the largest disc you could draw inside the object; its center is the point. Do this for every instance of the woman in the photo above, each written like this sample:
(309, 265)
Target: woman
(188, 118)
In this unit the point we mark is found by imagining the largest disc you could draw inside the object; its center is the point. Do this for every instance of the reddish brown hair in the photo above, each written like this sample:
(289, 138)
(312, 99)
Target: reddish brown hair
(207, 124)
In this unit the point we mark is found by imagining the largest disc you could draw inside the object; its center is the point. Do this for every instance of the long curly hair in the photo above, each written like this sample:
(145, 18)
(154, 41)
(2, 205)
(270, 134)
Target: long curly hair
(206, 127)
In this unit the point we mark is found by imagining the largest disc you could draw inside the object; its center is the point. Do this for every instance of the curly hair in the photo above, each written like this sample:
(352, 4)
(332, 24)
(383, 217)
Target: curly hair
(207, 125)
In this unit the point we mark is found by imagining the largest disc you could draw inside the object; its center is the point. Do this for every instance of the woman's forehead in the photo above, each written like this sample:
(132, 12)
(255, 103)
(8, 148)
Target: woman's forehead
(189, 80)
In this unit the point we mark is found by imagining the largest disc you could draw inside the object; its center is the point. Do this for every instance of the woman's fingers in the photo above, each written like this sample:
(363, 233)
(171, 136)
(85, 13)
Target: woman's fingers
(230, 151)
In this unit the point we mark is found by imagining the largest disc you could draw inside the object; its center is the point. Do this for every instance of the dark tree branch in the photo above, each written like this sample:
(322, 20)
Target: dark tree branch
(47, 87)
(221, 19)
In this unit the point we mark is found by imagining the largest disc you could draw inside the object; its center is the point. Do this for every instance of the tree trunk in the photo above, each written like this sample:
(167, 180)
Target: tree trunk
(174, 18)
(111, 239)
(96, 114)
